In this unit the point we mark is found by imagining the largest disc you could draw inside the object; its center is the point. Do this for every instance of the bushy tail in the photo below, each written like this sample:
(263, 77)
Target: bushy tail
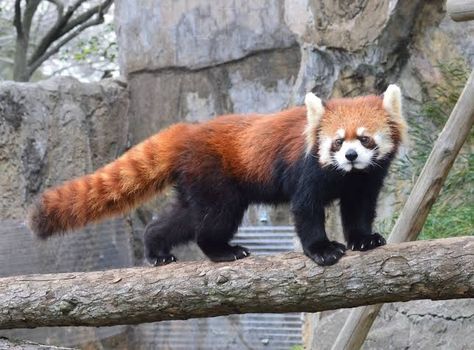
(116, 188)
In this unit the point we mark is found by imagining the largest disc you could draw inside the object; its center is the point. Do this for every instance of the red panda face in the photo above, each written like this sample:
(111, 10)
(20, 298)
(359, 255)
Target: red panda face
(355, 133)
(348, 149)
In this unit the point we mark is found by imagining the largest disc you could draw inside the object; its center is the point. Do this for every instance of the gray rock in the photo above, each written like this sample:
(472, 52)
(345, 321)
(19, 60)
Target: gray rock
(52, 131)
(417, 325)
(55, 130)
(197, 33)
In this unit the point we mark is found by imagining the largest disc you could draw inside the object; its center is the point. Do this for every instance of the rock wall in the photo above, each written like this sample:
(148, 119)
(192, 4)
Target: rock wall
(55, 130)
(50, 132)
(194, 59)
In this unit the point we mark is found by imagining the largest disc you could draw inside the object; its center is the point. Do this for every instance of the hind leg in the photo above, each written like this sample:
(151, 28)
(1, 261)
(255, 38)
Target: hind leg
(217, 222)
(174, 227)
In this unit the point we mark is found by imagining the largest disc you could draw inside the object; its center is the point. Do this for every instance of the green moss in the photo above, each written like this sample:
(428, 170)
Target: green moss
(297, 347)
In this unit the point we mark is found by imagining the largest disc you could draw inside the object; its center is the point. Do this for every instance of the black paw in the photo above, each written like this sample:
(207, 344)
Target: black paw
(228, 253)
(368, 242)
(326, 253)
(161, 260)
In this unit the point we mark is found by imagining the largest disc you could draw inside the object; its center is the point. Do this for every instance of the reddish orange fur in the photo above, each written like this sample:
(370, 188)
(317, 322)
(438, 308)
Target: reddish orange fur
(244, 147)
(349, 114)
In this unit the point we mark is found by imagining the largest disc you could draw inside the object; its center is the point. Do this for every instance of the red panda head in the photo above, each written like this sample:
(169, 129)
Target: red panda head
(353, 133)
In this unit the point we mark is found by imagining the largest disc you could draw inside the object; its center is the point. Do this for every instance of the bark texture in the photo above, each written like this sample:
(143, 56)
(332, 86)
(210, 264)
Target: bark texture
(439, 269)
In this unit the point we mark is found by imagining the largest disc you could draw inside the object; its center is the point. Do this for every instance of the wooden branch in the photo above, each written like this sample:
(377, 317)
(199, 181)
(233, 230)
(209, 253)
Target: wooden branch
(99, 9)
(418, 205)
(440, 269)
(17, 19)
(63, 26)
(59, 7)
(28, 14)
(460, 10)
(55, 49)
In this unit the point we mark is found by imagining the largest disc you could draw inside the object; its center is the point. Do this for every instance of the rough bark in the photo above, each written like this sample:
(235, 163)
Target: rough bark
(440, 269)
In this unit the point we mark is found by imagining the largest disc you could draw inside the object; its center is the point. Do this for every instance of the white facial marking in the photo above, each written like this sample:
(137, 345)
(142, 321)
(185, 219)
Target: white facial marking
(325, 150)
(384, 144)
(341, 133)
(360, 131)
(363, 160)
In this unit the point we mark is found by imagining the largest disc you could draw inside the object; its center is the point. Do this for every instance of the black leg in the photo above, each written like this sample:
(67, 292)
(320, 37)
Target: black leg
(358, 209)
(174, 227)
(217, 225)
(218, 210)
(309, 223)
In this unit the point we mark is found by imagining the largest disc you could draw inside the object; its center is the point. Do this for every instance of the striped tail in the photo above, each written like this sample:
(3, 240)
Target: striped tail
(116, 188)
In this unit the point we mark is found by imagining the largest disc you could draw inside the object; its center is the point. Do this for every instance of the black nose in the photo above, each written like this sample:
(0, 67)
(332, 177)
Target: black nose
(351, 155)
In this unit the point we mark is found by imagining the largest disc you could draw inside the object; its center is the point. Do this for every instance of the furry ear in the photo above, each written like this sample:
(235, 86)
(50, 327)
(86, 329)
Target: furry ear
(392, 101)
(315, 109)
(314, 113)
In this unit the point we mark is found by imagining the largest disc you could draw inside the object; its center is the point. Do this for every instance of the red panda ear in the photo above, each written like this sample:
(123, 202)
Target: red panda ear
(314, 109)
(392, 101)
(314, 113)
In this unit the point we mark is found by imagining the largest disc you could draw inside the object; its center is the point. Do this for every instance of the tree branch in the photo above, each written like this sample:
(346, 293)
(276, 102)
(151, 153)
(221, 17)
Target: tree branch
(441, 269)
(99, 9)
(30, 10)
(64, 26)
(17, 19)
(59, 6)
(55, 49)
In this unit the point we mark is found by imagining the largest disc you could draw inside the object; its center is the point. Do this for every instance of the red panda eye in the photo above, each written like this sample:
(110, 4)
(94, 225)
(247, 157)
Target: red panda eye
(338, 142)
(364, 140)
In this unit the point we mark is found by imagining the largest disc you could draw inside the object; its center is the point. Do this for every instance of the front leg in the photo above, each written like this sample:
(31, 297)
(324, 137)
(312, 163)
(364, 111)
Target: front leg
(309, 224)
(358, 207)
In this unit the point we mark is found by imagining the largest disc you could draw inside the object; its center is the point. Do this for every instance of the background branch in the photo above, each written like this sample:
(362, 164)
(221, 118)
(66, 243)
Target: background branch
(441, 269)
(55, 48)
(17, 19)
(65, 25)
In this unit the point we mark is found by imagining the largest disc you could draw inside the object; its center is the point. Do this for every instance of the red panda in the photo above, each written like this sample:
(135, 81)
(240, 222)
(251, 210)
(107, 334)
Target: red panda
(308, 156)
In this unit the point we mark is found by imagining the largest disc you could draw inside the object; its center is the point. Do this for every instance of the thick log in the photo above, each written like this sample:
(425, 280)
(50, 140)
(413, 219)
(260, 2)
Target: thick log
(460, 10)
(418, 205)
(440, 269)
